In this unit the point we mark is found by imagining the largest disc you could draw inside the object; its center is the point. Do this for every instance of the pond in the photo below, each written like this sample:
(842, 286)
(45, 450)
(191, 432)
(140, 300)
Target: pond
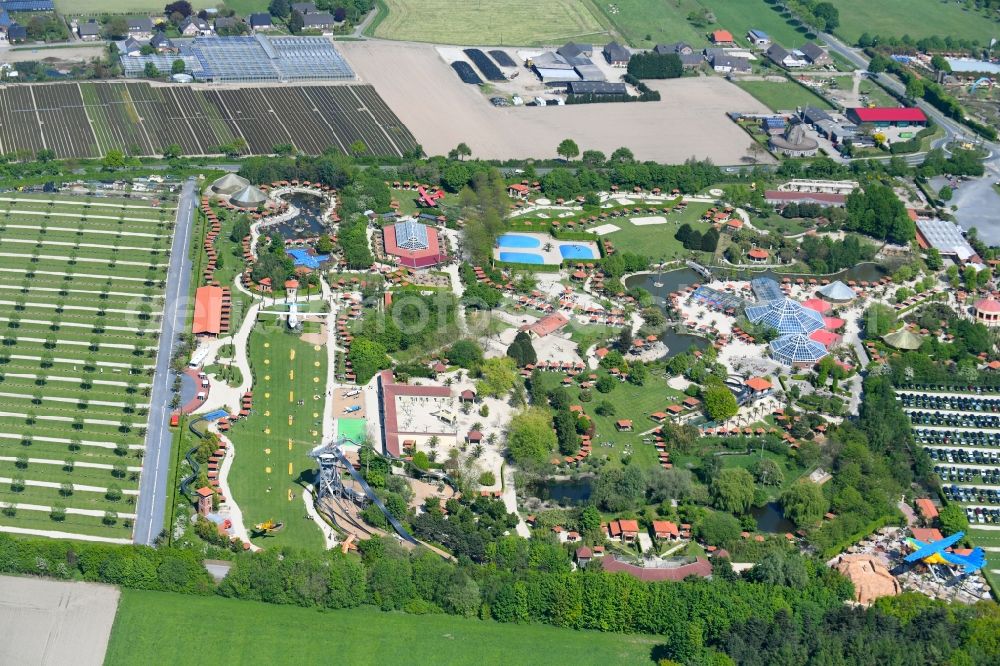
(771, 519)
(564, 491)
(308, 223)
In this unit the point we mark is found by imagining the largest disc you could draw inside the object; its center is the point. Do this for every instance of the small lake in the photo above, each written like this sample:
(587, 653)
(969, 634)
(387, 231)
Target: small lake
(567, 491)
(308, 223)
(771, 519)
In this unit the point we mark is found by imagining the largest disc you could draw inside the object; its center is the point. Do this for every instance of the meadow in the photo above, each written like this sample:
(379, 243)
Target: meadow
(518, 22)
(73, 8)
(916, 18)
(81, 292)
(784, 96)
(272, 445)
(172, 629)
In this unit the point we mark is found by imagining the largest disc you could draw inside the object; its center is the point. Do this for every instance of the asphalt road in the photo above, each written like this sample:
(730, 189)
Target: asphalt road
(153, 496)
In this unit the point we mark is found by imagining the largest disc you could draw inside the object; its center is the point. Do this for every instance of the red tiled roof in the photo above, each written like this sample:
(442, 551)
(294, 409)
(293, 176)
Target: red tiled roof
(825, 338)
(665, 527)
(547, 324)
(757, 253)
(758, 384)
(207, 311)
(926, 534)
(988, 305)
(722, 36)
(389, 390)
(927, 508)
(628, 525)
(700, 567)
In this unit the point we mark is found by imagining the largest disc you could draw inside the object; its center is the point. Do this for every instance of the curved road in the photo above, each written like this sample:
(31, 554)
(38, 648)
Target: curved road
(151, 507)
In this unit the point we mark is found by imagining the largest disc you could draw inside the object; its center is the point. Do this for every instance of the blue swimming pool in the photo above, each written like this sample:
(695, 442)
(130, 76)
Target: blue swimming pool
(522, 257)
(572, 251)
(517, 240)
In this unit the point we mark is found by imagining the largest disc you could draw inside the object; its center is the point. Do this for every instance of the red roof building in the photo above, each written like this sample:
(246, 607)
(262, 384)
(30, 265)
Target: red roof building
(757, 255)
(926, 534)
(722, 37)
(389, 390)
(413, 244)
(664, 529)
(546, 325)
(884, 116)
(207, 311)
(826, 338)
(927, 509)
(758, 384)
(988, 311)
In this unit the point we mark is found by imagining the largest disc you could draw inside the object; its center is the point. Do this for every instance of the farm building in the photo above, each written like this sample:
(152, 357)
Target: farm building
(597, 88)
(140, 28)
(947, 238)
(689, 57)
(722, 38)
(815, 55)
(617, 55)
(726, 64)
(888, 116)
(28, 5)
(782, 57)
(794, 142)
(413, 244)
(89, 30)
(253, 59)
(758, 38)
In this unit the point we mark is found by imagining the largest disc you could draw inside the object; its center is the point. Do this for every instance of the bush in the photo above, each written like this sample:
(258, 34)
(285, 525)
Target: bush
(487, 479)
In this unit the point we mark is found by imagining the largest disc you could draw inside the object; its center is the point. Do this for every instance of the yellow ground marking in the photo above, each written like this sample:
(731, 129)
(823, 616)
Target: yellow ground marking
(315, 415)
(267, 361)
(267, 395)
(289, 469)
(289, 493)
(267, 412)
(291, 396)
(267, 378)
(267, 451)
(267, 470)
(316, 363)
(291, 375)
(316, 348)
(289, 445)
(315, 433)
(266, 345)
(291, 354)
(316, 380)
(267, 431)
(290, 417)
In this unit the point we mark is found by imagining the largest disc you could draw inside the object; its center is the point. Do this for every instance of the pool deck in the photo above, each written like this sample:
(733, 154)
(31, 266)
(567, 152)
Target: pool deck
(551, 256)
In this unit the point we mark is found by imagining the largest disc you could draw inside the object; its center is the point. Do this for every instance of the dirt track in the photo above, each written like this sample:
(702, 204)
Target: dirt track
(441, 111)
(50, 622)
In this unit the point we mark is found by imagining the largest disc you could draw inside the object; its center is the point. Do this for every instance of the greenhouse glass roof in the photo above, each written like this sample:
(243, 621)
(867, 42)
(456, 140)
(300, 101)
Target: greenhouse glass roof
(411, 235)
(797, 348)
(766, 289)
(785, 316)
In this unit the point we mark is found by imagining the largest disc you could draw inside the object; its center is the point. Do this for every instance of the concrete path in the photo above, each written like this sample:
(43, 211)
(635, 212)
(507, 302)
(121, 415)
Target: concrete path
(330, 539)
(54, 534)
(76, 308)
(152, 505)
(96, 513)
(230, 509)
(76, 216)
(509, 497)
(95, 246)
(75, 380)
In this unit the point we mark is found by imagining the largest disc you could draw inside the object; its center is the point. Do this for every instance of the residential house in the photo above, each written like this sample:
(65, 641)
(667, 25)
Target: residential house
(583, 556)
(570, 50)
(518, 191)
(758, 38)
(816, 55)
(304, 7)
(722, 38)
(689, 57)
(626, 531)
(131, 47)
(162, 43)
(617, 55)
(664, 530)
(261, 21)
(140, 28)
(784, 58)
(318, 21)
(727, 64)
(89, 30)
(193, 26)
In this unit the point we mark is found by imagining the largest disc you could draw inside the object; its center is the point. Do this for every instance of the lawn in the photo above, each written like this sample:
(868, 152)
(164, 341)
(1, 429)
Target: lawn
(518, 22)
(916, 18)
(152, 7)
(273, 444)
(171, 628)
(784, 96)
(408, 202)
(657, 240)
(739, 16)
(779, 225)
(630, 402)
(988, 539)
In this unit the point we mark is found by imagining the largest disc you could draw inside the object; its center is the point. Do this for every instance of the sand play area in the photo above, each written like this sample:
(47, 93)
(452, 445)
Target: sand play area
(442, 112)
(648, 221)
(50, 622)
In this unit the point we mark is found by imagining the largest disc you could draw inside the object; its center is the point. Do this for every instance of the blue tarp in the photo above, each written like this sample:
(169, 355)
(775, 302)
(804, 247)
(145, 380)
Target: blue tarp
(216, 415)
(304, 258)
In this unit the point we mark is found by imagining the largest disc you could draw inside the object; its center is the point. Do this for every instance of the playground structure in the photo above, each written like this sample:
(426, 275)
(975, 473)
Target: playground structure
(269, 526)
(340, 495)
(935, 552)
(429, 199)
(983, 81)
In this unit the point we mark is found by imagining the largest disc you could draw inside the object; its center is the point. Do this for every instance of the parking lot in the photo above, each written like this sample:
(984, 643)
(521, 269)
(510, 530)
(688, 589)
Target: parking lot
(961, 434)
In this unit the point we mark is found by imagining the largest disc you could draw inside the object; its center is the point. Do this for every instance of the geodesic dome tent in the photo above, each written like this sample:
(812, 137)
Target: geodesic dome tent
(797, 349)
(785, 316)
(248, 197)
(230, 184)
(837, 291)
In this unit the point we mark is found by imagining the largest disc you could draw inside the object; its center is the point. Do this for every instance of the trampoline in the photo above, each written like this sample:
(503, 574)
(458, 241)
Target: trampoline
(305, 258)
(216, 415)
(353, 429)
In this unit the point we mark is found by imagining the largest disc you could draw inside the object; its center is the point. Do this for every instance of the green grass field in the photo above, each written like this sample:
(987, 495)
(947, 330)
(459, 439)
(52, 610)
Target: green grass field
(170, 628)
(273, 444)
(783, 96)
(988, 539)
(657, 240)
(152, 7)
(517, 22)
(917, 18)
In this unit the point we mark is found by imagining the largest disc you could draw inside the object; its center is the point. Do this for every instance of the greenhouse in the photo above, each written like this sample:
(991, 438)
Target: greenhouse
(796, 350)
(785, 316)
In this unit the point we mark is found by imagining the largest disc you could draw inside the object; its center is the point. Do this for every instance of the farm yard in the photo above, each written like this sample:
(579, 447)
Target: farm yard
(81, 292)
(520, 22)
(90, 119)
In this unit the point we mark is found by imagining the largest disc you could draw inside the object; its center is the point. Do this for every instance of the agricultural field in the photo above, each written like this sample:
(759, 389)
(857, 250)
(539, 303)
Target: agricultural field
(89, 119)
(783, 96)
(81, 296)
(517, 23)
(916, 18)
(272, 446)
(168, 625)
(643, 23)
